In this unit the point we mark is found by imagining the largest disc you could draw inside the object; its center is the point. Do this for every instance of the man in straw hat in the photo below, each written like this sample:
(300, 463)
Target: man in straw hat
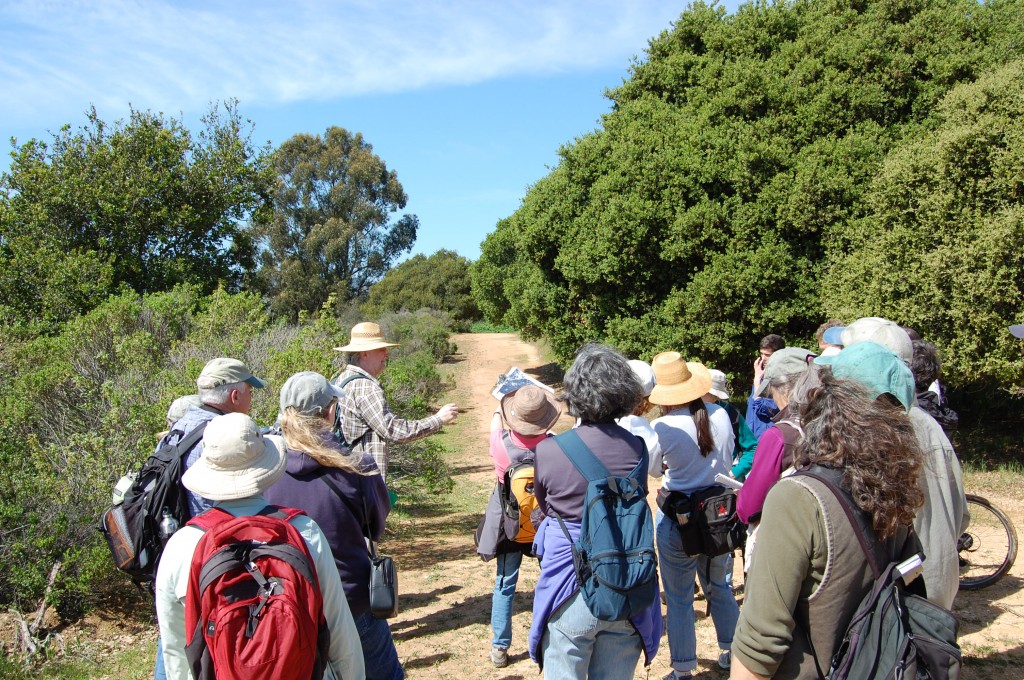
(238, 464)
(367, 422)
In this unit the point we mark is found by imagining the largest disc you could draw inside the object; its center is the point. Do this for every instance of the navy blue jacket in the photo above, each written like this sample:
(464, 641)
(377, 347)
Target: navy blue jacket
(342, 524)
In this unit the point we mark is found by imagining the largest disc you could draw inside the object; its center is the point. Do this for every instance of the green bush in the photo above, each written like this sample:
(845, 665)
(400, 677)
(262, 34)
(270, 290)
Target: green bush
(83, 407)
(746, 156)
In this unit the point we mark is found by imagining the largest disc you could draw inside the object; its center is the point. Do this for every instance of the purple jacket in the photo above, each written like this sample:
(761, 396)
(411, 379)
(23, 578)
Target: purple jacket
(342, 524)
(557, 583)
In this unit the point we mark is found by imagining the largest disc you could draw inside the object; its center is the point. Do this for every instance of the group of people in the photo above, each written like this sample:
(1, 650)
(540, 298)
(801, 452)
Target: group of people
(849, 413)
(302, 462)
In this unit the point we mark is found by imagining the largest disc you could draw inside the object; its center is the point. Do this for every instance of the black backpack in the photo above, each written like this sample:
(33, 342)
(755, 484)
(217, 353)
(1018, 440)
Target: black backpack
(132, 527)
(336, 429)
(895, 632)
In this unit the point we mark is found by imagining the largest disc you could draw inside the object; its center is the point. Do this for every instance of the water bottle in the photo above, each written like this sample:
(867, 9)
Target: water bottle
(168, 525)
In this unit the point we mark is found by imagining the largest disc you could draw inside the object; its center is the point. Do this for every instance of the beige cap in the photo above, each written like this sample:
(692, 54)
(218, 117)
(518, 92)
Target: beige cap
(365, 337)
(224, 371)
(237, 461)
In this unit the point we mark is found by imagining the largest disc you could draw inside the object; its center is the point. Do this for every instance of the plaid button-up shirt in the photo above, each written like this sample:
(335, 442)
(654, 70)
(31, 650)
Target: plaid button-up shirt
(368, 423)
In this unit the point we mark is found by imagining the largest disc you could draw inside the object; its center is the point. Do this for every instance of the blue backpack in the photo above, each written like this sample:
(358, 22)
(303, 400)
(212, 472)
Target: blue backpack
(614, 557)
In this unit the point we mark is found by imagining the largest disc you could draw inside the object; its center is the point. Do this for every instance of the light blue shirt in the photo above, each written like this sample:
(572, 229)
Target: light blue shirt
(345, 658)
(688, 471)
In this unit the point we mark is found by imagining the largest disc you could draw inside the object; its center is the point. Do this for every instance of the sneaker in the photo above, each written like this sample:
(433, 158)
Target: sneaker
(725, 660)
(499, 657)
(678, 675)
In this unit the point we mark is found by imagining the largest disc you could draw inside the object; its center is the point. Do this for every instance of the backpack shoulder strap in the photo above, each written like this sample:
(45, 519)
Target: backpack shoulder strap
(354, 376)
(278, 512)
(189, 441)
(847, 505)
(211, 519)
(580, 455)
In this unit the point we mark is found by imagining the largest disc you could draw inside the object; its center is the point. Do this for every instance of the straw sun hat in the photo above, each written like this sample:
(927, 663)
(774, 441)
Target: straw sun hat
(678, 381)
(365, 337)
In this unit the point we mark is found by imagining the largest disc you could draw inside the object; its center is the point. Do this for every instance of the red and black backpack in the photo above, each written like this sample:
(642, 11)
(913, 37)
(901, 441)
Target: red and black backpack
(254, 609)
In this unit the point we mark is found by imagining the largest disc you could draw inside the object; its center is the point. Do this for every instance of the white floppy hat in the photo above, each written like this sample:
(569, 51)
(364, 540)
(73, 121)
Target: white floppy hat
(237, 461)
(645, 374)
(884, 332)
(365, 337)
(719, 384)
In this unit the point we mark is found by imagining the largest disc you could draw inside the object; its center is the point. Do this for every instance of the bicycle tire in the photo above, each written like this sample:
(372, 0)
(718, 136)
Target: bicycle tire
(991, 545)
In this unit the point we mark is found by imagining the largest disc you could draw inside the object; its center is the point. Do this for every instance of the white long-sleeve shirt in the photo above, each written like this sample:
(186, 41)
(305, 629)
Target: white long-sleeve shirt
(345, 658)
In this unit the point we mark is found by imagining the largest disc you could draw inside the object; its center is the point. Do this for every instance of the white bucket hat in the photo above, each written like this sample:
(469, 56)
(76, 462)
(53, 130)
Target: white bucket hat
(365, 337)
(719, 384)
(645, 374)
(237, 461)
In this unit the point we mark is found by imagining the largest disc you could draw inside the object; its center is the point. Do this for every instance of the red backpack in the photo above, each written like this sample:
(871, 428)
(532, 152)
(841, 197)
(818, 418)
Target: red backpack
(254, 609)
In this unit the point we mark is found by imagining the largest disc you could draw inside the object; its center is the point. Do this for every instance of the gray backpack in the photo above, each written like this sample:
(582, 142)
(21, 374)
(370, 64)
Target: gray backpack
(895, 633)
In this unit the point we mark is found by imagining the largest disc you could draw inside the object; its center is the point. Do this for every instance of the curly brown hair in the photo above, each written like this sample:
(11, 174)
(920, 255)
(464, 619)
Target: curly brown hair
(873, 443)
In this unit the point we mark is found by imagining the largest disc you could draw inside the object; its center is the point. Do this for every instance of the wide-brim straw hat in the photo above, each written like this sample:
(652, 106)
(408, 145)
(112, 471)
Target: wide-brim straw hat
(237, 461)
(530, 410)
(678, 381)
(364, 338)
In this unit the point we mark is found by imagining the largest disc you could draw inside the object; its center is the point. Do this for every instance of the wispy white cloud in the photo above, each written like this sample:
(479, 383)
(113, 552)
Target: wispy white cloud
(177, 56)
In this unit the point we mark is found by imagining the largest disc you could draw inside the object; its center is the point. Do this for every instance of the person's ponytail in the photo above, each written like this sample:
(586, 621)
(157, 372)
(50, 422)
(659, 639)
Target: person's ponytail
(705, 442)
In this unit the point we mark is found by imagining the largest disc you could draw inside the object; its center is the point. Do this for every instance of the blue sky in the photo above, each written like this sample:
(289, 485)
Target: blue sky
(467, 101)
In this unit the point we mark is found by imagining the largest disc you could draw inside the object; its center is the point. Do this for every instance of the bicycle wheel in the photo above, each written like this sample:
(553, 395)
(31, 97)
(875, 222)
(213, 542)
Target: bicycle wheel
(988, 548)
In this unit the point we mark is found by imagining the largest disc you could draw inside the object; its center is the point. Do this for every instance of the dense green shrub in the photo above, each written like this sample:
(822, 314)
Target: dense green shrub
(439, 282)
(83, 407)
(740, 162)
(942, 248)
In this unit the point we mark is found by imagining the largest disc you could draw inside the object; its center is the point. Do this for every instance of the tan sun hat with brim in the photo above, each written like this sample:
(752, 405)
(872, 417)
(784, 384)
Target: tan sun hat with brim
(678, 381)
(237, 461)
(530, 410)
(365, 337)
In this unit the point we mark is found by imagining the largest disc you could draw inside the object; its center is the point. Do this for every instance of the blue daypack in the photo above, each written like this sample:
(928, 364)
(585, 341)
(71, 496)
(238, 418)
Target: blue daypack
(614, 558)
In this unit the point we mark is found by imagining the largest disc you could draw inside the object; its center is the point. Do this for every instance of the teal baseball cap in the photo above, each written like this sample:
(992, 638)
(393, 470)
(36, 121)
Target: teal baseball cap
(878, 368)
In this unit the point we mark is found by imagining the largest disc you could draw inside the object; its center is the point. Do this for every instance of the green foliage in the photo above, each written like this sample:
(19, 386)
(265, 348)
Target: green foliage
(143, 204)
(332, 232)
(735, 165)
(488, 327)
(947, 215)
(439, 282)
(83, 406)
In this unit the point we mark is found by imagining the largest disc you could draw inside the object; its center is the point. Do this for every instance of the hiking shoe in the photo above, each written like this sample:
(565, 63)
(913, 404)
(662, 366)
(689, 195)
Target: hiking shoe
(725, 660)
(678, 675)
(499, 657)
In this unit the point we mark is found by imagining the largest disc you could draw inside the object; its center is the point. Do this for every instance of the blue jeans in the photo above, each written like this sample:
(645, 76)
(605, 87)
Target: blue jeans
(504, 594)
(158, 670)
(379, 654)
(578, 645)
(677, 574)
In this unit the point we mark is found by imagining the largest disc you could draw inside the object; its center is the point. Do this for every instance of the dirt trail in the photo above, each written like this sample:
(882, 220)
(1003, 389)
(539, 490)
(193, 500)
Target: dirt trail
(444, 631)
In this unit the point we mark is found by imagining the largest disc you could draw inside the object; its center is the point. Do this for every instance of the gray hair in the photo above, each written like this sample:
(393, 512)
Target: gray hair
(219, 395)
(600, 386)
